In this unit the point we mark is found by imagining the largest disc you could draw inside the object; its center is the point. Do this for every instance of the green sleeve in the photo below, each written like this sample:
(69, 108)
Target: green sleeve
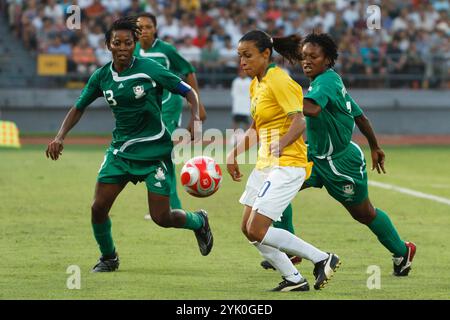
(356, 110)
(179, 64)
(318, 95)
(90, 92)
(162, 76)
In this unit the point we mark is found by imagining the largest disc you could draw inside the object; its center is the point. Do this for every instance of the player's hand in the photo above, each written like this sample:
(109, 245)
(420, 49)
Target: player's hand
(202, 112)
(233, 169)
(276, 149)
(378, 160)
(54, 149)
(195, 129)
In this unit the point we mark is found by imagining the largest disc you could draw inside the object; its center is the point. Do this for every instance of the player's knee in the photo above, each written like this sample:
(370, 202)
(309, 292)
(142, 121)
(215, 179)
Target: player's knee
(162, 220)
(244, 228)
(363, 217)
(99, 212)
(254, 233)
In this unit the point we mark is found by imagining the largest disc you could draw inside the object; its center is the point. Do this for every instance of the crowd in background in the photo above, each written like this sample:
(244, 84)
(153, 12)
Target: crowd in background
(411, 47)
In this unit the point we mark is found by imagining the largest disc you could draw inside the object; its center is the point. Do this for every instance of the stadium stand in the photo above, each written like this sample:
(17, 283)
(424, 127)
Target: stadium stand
(411, 50)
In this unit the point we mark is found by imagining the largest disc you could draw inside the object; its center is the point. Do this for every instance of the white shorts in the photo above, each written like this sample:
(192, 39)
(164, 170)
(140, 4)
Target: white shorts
(269, 191)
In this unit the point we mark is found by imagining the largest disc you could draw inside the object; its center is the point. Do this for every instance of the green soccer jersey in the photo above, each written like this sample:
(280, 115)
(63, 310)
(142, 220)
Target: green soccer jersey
(330, 133)
(167, 55)
(135, 97)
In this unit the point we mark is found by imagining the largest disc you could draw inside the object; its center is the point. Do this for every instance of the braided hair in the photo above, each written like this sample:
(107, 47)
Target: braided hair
(126, 23)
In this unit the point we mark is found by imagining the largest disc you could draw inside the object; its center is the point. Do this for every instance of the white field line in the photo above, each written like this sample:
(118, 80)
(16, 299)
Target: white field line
(410, 192)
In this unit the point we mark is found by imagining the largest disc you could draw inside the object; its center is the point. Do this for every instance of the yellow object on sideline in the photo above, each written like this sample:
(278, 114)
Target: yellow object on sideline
(9, 134)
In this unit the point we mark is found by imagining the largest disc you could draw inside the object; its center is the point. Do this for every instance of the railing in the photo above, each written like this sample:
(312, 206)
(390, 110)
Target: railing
(432, 74)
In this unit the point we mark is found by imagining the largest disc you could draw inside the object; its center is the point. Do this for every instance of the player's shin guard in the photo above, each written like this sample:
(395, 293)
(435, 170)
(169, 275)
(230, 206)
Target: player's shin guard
(279, 260)
(386, 233)
(103, 235)
(291, 244)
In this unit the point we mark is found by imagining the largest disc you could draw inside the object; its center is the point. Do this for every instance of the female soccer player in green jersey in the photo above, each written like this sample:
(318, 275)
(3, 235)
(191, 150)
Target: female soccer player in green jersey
(149, 46)
(141, 146)
(339, 164)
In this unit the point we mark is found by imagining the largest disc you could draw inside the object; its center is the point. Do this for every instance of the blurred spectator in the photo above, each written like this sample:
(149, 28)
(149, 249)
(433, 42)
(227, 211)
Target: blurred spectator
(202, 19)
(169, 28)
(421, 25)
(134, 9)
(351, 14)
(201, 38)
(240, 95)
(56, 46)
(84, 57)
(115, 5)
(401, 22)
(228, 59)
(95, 36)
(44, 35)
(190, 52)
(95, 10)
(84, 3)
(209, 60)
(102, 54)
(54, 11)
(187, 27)
(414, 65)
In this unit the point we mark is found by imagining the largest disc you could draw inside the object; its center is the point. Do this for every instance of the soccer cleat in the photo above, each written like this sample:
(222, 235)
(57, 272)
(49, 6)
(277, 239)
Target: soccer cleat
(402, 265)
(107, 265)
(324, 270)
(204, 235)
(267, 265)
(286, 286)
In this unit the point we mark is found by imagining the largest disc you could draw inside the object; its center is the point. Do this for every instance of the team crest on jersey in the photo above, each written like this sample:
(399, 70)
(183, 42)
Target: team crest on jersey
(160, 176)
(348, 190)
(139, 91)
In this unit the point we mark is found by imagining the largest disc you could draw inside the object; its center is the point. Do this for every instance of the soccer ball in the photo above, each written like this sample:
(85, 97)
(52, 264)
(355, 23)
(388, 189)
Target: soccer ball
(201, 176)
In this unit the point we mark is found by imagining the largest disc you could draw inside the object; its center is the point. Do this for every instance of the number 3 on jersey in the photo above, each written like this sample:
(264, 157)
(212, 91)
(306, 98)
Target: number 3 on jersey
(109, 96)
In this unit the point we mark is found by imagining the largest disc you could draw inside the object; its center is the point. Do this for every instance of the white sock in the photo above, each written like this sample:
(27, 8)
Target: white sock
(280, 261)
(290, 243)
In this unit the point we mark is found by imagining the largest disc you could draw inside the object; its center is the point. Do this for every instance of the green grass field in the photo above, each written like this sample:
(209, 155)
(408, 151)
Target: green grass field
(45, 227)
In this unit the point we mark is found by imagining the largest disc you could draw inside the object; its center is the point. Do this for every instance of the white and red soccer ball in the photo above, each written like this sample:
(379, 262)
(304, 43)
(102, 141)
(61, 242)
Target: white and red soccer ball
(201, 176)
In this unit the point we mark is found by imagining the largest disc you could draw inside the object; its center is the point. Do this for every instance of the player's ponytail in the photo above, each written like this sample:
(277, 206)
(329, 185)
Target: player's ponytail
(288, 47)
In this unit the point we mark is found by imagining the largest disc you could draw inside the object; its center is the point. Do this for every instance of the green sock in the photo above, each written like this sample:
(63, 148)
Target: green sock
(286, 220)
(193, 221)
(385, 231)
(102, 233)
(175, 202)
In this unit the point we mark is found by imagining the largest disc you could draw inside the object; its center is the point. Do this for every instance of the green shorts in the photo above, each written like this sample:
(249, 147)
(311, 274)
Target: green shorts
(157, 174)
(344, 177)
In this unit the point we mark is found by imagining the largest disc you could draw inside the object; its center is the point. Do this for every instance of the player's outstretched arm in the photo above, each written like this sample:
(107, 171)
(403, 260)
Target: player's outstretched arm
(310, 109)
(56, 146)
(191, 80)
(195, 130)
(377, 153)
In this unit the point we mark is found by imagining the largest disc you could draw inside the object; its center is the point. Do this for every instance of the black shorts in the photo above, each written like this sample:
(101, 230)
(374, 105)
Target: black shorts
(241, 118)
